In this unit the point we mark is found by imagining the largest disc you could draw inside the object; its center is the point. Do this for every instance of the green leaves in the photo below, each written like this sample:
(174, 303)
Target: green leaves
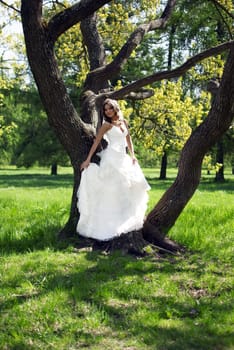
(164, 122)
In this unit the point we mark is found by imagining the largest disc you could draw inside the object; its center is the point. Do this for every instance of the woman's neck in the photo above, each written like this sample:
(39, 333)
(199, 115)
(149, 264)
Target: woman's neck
(114, 119)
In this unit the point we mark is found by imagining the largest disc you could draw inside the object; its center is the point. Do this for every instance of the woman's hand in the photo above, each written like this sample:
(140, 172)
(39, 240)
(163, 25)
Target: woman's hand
(134, 160)
(85, 164)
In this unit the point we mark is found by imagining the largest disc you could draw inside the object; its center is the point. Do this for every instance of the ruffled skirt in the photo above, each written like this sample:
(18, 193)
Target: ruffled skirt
(112, 197)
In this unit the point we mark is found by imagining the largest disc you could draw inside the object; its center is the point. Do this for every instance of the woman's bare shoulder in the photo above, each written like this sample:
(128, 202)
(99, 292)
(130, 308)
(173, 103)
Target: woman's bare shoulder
(125, 122)
(106, 126)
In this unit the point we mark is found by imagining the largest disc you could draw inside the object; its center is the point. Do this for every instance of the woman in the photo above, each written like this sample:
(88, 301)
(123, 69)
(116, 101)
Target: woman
(112, 197)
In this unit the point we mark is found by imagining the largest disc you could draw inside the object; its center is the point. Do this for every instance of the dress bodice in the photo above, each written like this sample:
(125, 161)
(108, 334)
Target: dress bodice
(116, 138)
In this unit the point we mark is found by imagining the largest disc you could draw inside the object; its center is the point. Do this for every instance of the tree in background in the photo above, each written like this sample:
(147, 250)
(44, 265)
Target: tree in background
(165, 121)
(26, 137)
(7, 125)
(76, 130)
(7, 130)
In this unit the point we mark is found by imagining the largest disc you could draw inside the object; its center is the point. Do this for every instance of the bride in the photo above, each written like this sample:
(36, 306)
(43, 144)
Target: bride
(112, 197)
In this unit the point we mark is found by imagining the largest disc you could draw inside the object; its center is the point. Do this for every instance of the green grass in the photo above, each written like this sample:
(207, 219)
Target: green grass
(64, 299)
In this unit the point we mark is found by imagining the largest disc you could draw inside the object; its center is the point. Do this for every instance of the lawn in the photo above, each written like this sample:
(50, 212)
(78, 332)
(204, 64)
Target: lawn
(58, 297)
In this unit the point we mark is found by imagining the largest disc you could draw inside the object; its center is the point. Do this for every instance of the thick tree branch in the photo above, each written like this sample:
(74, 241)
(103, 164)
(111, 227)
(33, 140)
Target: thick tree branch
(163, 216)
(169, 74)
(72, 15)
(113, 68)
(138, 35)
(93, 41)
(96, 50)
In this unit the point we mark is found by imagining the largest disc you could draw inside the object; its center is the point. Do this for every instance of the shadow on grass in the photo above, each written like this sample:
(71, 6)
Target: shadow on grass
(206, 184)
(211, 185)
(36, 180)
(163, 322)
(36, 238)
(66, 180)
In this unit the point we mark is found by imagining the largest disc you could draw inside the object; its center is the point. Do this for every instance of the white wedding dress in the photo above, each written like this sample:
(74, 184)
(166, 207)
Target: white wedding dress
(112, 197)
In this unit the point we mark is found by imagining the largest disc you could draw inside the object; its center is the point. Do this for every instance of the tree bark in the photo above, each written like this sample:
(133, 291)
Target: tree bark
(219, 176)
(163, 170)
(75, 135)
(54, 169)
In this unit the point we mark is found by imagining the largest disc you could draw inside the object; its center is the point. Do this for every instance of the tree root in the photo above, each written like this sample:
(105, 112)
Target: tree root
(129, 243)
(158, 239)
(138, 243)
(67, 232)
(132, 243)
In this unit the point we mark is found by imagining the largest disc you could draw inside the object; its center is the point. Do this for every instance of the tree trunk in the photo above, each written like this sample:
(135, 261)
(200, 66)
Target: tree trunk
(75, 135)
(219, 177)
(163, 170)
(54, 169)
(68, 231)
(163, 216)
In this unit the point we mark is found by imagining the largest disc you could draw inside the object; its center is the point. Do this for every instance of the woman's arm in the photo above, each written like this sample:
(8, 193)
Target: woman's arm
(130, 144)
(104, 128)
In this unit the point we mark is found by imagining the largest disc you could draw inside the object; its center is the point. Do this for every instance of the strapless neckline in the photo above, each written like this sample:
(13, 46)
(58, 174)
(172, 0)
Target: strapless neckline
(121, 127)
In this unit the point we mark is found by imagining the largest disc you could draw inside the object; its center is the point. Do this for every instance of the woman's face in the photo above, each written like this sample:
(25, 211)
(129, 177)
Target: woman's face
(109, 110)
